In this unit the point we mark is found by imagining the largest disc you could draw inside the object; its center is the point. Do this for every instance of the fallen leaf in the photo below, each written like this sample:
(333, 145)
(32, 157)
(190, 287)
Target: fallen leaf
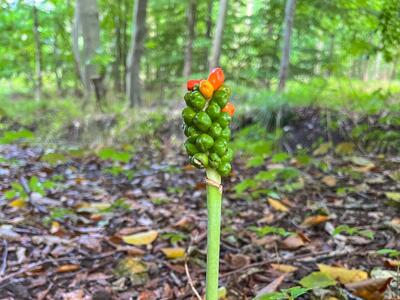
(343, 275)
(314, 220)
(371, 289)
(391, 263)
(143, 238)
(295, 241)
(173, 253)
(393, 196)
(278, 205)
(18, 203)
(284, 268)
(345, 148)
(55, 227)
(329, 180)
(272, 287)
(74, 295)
(67, 268)
(237, 261)
(147, 295)
(361, 161)
(317, 280)
(322, 149)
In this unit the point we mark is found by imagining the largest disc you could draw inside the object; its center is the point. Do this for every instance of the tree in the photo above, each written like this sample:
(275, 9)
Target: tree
(216, 48)
(287, 34)
(133, 89)
(38, 53)
(87, 25)
(191, 19)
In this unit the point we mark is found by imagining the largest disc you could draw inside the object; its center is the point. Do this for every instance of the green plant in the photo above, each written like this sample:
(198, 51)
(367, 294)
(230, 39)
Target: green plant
(265, 230)
(353, 231)
(207, 117)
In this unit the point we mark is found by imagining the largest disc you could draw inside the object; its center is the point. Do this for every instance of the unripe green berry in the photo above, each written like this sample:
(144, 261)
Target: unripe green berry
(228, 155)
(215, 130)
(224, 119)
(190, 148)
(224, 169)
(200, 160)
(213, 110)
(204, 142)
(214, 160)
(202, 121)
(220, 146)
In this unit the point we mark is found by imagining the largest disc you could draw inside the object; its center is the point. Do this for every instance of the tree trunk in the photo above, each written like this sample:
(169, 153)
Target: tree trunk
(118, 50)
(208, 31)
(133, 89)
(191, 22)
(38, 54)
(287, 34)
(216, 48)
(87, 25)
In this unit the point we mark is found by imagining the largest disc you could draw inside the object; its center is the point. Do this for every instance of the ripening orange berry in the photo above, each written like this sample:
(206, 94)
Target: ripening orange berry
(206, 89)
(229, 108)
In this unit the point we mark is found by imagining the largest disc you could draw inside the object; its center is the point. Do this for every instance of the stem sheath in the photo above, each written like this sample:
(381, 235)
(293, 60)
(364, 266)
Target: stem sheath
(214, 200)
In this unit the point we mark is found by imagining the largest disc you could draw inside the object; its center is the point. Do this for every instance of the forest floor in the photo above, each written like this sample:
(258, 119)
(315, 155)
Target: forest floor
(65, 220)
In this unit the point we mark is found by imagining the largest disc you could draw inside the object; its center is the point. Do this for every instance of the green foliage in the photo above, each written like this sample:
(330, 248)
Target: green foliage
(389, 252)
(285, 294)
(10, 137)
(114, 155)
(353, 231)
(174, 237)
(266, 230)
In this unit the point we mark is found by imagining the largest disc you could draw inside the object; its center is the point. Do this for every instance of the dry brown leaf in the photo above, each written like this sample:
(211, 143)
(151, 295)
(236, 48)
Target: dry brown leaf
(237, 261)
(343, 275)
(74, 295)
(143, 238)
(314, 220)
(391, 263)
(68, 268)
(329, 180)
(272, 287)
(371, 289)
(173, 253)
(278, 205)
(284, 268)
(295, 241)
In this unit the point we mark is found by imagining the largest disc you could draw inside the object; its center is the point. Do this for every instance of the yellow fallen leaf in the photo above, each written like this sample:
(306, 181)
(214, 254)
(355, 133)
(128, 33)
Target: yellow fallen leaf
(278, 205)
(322, 149)
(314, 220)
(55, 227)
(393, 196)
(343, 275)
(345, 148)
(329, 181)
(284, 268)
(18, 203)
(143, 238)
(173, 253)
(67, 268)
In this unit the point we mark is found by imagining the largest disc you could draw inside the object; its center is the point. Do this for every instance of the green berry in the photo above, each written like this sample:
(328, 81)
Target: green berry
(197, 101)
(213, 110)
(220, 146)
(204, 142)
(214, 160)
(188, 114)
(224, 119)
(226, 133)
(224, 169)
(202, 121)
(190, 131)
(228, 156)
(188, 98)
(200, 160)
(215, 130)
(190, 148)
(221, 97)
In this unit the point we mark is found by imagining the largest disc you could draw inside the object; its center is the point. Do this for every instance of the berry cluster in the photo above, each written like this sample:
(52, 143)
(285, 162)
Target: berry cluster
(207, 118)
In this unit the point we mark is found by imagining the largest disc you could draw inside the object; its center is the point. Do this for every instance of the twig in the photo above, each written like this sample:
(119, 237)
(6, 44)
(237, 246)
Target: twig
(4, 258)
(190, 281)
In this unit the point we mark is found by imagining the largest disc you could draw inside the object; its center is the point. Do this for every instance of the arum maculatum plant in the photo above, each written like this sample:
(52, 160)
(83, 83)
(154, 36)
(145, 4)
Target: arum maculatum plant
(207, 118)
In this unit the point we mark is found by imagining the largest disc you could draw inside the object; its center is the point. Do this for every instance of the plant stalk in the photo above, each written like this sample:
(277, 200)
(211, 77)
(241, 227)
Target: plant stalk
(214, 202)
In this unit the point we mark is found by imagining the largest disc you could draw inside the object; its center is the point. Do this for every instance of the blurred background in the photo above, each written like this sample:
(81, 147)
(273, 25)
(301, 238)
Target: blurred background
(78, 64)
(91, 147)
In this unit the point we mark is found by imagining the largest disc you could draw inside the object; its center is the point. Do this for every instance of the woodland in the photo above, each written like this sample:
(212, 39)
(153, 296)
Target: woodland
(103, 192)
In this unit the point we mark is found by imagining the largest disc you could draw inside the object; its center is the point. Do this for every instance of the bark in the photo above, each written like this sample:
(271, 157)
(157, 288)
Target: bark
(118, 49)
(287, 34)
(191, 22)
(38, 54)
(208, 31)
(87, 26)
(217, 43)
(133, 88)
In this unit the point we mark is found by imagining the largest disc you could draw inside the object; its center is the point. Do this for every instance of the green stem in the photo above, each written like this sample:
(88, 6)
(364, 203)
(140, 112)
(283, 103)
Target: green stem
(214, 200)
